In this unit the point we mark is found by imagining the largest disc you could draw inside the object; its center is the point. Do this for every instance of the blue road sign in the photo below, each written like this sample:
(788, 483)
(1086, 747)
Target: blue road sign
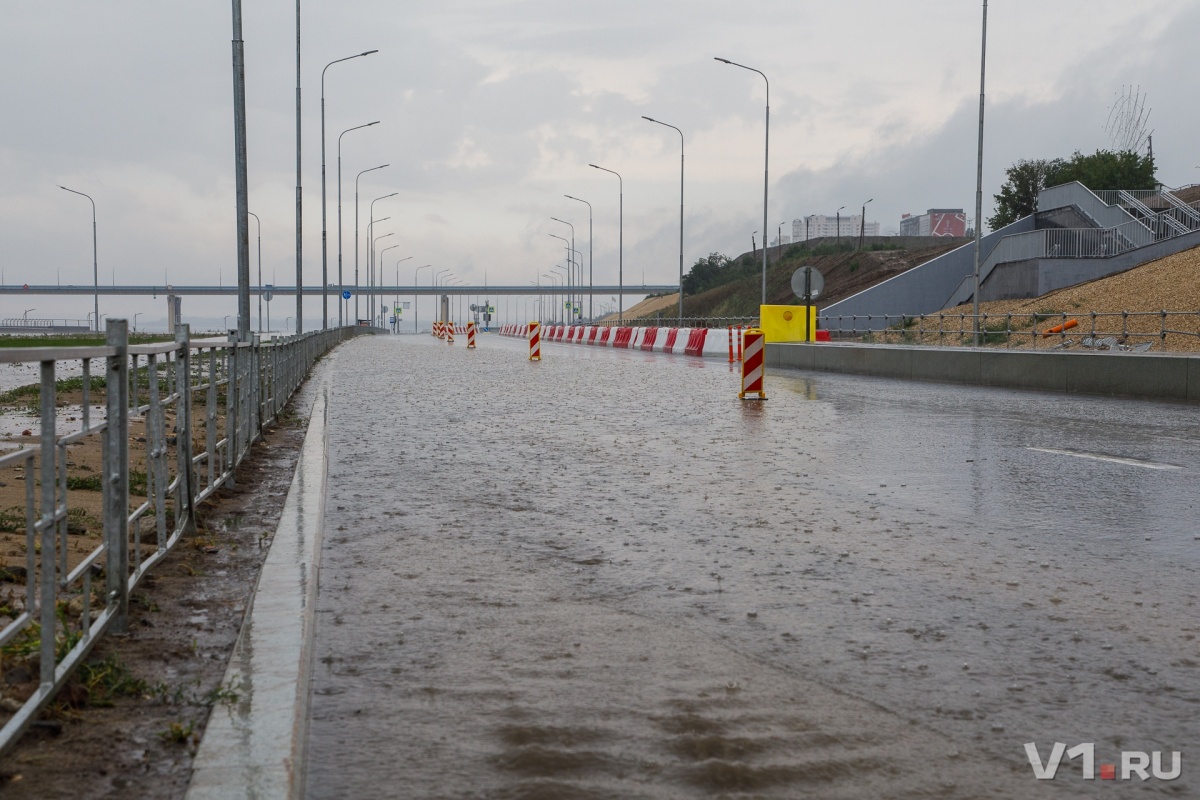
(345, 294)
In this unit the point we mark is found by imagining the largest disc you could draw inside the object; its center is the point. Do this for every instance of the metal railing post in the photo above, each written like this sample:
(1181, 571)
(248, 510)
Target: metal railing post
(116, 474)
(231, 409)
(185, 504)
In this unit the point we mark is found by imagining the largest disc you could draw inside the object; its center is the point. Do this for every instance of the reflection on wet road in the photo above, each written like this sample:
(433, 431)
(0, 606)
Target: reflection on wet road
(604, 576)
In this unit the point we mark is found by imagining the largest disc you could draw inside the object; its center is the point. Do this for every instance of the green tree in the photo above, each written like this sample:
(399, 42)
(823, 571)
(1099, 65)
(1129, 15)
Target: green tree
(1018, 195)
(706, 273)
(1106, 169)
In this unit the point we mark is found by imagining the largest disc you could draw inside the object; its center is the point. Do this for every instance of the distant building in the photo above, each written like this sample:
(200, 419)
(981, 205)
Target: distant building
(935, 222)
(819, 225)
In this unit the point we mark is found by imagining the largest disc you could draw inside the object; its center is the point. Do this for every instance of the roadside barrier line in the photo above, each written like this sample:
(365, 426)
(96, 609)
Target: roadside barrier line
(256, 746)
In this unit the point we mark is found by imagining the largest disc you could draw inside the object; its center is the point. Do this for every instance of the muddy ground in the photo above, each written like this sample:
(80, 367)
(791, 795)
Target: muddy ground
(129, 725)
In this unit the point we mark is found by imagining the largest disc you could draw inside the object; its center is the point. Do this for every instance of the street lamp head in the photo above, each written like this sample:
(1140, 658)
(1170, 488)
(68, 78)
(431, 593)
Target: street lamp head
(648, 119)
(369, 52)
(722, 60)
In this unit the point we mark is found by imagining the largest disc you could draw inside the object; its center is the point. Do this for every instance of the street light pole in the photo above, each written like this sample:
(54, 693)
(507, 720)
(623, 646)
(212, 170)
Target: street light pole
(380, 256)
(241, 181)
(359, 175)
(416, 298)
(620, 242)
(591, 314)
(299, 215)
(371, 259)
(839, 226)
(258, 226)
(766, 165)
(341, 285)
(568, 245)
(95, 268)
(862, 224)
(324, 203)
(680, 210)
(979, 177)
(571, 260)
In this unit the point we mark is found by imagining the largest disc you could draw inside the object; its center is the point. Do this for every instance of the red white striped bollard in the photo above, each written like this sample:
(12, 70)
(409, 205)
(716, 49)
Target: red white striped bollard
(740, 342)
(730, 344)
(535, 341)
(470, 335)
(752, 364)
(450, 333)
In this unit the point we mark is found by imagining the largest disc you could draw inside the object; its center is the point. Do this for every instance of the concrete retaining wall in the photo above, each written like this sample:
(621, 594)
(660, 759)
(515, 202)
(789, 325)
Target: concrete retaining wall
(1150, 376)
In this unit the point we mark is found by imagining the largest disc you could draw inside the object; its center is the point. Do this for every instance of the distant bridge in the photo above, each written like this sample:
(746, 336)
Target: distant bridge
(169, 289)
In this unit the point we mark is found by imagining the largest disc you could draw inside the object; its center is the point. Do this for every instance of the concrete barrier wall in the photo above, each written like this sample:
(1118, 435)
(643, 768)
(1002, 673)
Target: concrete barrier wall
(1157, 376)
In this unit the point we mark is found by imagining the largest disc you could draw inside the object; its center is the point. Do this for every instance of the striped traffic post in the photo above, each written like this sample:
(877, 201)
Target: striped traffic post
(740, 342)
(730, 344)
(752, 364)
(470, 335)
(535, 341)
(450, 333)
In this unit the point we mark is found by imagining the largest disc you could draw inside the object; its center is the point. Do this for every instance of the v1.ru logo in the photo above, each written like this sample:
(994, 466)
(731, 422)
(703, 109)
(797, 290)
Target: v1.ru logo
(1133, 762)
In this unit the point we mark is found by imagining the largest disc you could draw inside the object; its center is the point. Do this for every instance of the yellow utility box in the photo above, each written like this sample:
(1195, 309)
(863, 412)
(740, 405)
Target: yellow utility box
(786, 323)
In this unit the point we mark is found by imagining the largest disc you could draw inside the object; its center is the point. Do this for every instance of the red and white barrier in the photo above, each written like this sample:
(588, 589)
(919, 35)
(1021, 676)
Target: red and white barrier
(470, 335)
(752, 364)
(535, 341)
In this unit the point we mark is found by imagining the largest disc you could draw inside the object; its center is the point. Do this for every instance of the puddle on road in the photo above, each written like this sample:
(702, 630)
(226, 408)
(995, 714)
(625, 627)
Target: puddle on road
(601, 577)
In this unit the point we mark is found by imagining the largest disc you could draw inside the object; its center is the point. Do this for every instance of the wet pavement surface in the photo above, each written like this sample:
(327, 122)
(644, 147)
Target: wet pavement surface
(602, 575)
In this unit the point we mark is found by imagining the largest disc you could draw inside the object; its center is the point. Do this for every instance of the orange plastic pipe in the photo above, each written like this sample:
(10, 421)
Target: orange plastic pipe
(1066, 326)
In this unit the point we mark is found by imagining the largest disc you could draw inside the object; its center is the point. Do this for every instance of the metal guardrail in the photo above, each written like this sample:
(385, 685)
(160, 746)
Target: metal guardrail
(38, 325)
(1029, 331)
(676, 322)
(200, 405)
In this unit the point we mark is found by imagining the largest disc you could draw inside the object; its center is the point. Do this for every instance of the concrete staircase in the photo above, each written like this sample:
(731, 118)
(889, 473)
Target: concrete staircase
(1076, 235)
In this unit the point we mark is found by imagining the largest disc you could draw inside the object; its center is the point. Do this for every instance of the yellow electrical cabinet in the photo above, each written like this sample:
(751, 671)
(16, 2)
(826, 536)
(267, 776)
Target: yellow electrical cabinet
(786, 323)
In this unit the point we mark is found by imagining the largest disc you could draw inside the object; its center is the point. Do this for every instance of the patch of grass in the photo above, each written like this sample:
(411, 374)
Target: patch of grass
(996, 333)
(87, 483)
(107, 679)
(12, 519)
(179, 733)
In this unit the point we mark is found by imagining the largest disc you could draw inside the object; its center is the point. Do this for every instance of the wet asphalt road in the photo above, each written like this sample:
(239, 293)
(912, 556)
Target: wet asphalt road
(604, 576)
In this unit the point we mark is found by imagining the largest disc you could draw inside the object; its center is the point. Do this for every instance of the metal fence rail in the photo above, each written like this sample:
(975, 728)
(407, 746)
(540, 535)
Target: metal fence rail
(1115, 330)
(676, 322)
(179, 418)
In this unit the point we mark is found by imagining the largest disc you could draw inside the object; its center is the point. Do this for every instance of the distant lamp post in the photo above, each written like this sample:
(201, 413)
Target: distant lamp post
(416, 299)
(620, 241)
(807, 221)
(135, 316)
(766, 164)
(341, 286)
(370, 255)
(258, 227)
(839, 226)
(380, 257)
(571, 260)
(95, 269)
(589, 205)
(672, 127)
(25, 316)
(862, 224)
(324, 247)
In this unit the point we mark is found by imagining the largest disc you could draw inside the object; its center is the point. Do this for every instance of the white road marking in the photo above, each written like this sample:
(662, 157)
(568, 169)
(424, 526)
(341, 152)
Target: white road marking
(1132, 462)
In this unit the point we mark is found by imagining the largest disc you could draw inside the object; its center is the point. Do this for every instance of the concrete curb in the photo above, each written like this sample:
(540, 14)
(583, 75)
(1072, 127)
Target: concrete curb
(255, 748)
(1158, 376)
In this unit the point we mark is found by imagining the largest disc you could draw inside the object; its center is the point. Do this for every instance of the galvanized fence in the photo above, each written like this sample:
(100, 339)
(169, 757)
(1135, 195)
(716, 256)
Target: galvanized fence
(1118, 330)
(671, 321)
(106, 500)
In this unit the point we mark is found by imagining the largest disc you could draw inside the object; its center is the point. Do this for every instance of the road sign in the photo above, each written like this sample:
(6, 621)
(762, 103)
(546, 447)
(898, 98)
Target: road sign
(807, 282)
(267, 295)
(397, 309)
(345, 294)
(391, 320)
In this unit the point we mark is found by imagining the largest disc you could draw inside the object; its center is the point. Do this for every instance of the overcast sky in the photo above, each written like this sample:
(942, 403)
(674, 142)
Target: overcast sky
(491, 110)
